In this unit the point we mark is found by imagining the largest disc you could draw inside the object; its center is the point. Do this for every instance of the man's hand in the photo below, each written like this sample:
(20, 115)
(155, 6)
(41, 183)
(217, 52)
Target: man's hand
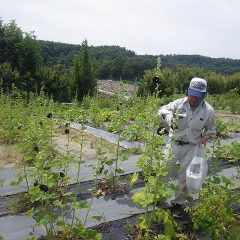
(168, 118)
(203, 140)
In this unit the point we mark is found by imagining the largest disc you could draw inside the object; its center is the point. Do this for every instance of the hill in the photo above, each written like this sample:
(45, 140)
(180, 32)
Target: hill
(56, 52)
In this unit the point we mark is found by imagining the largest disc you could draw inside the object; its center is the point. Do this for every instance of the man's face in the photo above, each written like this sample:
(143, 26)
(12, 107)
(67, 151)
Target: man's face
(194, 101)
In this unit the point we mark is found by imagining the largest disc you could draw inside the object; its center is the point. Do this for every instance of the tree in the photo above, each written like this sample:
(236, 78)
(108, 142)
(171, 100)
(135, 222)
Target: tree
(8, 77)
(83, 73)
(117, 67)
(11, 37)
(56, 82)
(104, 69)
(19, 50)
(30, 61)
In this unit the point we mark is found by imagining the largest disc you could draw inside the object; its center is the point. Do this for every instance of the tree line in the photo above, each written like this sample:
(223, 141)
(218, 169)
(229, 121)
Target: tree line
(22, 65)
(115, 62)
(66, 71)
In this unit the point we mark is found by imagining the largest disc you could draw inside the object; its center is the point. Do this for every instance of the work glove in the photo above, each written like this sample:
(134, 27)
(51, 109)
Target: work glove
(168, 119)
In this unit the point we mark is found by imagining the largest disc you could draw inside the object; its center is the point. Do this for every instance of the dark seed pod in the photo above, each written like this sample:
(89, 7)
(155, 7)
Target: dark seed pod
(66, 131)
(117, 108)
(20, 127)
(159, 131)
(40, 123)
(43, 188)
(36, 149)
(41, 238)
(120, 103)
(62, 174)
(101, 169)
(67, 124)
(35, 183)
(113, 197)
(49, 115)
(143, 232)
(156, 79)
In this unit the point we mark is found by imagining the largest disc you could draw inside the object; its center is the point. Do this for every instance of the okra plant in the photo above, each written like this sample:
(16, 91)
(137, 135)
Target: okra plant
(213, 215)
(156, 190)
(47, 199)
(13, 117)
(110, 157)
(109, 165)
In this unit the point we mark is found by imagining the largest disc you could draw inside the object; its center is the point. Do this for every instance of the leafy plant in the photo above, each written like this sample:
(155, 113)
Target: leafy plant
(109, 160)
(229, 152)
(13, 117)
(222, 127)
(137, 130)
(156, 190)
(213, 216)
(47, 199)
(234, 102)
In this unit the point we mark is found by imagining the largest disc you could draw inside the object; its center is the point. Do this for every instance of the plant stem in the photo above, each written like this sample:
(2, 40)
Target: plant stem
(85, 220)
(79, 167)
(68, 141)
(80, 155)
(25, 174)
(51, 132)
(116, 164)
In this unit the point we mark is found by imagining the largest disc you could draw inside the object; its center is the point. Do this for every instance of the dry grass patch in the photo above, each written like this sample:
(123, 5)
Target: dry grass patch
(8, 155)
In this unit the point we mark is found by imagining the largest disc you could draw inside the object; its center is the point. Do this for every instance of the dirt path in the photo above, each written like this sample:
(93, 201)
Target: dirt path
(8, 155)
(74, 148)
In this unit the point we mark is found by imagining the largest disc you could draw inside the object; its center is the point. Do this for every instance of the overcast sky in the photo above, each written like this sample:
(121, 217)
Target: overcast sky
(206, 27)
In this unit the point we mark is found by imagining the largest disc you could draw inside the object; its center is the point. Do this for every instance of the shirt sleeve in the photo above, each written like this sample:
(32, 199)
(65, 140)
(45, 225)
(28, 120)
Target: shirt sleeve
(169, 108)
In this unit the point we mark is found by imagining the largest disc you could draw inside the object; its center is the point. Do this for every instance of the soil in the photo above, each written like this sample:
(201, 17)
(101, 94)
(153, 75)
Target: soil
(88, 148)
(9, 154)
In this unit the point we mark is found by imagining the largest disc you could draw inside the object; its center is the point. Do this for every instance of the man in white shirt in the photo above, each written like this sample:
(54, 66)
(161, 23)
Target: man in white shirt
(194, 125)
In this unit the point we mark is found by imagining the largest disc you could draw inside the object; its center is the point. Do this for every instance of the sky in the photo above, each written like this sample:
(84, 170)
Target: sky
(204, 27)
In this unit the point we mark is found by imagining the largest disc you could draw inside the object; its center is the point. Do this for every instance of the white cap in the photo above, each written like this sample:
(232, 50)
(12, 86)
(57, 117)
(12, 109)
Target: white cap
(197, 87)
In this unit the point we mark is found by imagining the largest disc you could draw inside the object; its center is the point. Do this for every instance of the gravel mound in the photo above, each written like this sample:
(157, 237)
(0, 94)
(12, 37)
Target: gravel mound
(113, 87)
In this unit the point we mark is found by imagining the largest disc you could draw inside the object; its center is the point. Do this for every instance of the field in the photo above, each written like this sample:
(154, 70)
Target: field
(96, 171)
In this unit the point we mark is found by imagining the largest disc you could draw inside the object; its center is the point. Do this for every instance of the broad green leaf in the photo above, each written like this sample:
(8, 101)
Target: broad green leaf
(59, 203)
(30, 238)
(98, 218)
(29, 213)
(80, 205)
(137, 198)
(226, 181)
(133, 179)
(16, 183)
(119, 170)
(27, 158)
(143, 224)
(169, 229)
(60, 223)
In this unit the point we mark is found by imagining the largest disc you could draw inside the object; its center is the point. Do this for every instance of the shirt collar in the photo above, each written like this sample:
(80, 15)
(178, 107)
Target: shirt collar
(203, 104)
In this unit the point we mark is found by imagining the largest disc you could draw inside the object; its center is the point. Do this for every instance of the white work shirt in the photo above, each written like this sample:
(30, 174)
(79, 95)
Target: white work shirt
(191, 125)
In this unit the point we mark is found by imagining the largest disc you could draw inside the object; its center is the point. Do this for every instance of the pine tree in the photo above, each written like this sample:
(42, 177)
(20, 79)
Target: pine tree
(83, 73)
